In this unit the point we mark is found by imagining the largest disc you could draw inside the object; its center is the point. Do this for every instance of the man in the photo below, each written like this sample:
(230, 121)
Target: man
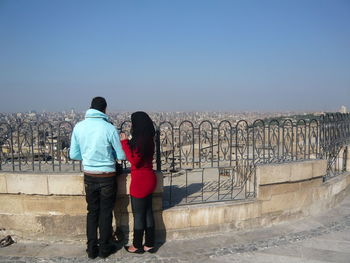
(96, 141)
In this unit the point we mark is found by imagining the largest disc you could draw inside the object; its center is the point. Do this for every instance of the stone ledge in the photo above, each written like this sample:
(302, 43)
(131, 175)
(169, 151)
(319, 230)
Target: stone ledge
(26, 183)
(268, 174)
(3, 184)
(59, 183)
(66, 184)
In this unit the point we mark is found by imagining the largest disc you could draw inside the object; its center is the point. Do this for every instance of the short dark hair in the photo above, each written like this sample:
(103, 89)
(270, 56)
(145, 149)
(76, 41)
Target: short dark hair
(99, 103)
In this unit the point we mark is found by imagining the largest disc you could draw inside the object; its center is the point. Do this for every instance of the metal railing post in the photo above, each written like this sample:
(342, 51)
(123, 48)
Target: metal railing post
(158, 158)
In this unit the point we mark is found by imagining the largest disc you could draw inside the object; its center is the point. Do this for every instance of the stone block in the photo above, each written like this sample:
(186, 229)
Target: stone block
(277, 203)
(303, 198)
(242, 211)
(347, 176)
(176, 218)
(337, 187)
(313, 183)
(41, 206)
(11, 204)
(22, 223)
(207, 215)
(278, 189)
(27, 183)
(319, 168)
(264, 192)
(75, 205)
(62, 225)
(301, 171)
(66, 184)
(321, 193)
(3, 185)
(273, 173)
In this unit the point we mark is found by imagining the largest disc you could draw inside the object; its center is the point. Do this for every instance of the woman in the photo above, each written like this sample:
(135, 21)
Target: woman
(139, 152)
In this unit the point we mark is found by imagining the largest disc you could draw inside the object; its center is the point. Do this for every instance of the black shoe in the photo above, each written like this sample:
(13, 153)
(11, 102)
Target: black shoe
(137, 251)
(106, 252)
(92, 253)
(151, 250)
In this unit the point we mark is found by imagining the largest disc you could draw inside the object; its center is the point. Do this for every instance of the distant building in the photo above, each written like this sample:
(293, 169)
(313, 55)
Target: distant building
(343, 109)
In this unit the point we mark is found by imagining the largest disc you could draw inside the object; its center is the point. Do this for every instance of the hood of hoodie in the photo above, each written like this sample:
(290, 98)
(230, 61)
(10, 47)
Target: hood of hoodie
(92, 113)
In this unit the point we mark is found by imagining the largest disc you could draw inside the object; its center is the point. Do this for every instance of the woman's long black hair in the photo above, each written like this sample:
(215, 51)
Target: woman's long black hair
(142, 132)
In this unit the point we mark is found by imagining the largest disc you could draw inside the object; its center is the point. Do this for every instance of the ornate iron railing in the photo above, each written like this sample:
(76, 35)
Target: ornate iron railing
(201, 163)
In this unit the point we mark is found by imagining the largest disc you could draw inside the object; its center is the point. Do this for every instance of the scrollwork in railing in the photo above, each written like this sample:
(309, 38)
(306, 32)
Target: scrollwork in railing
(186, 144)
(125, 127)
(45, 145)
(25, 146)
(65, 130)
(273, 141)
(225, 134)
(206, 143)
(287, 140)
(313, 141)
(167, 145)
(242, 140)
(6, 146)
(300, 148)
(259, 142)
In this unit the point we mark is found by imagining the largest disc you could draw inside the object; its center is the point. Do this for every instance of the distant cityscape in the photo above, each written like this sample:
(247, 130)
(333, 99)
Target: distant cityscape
(175, 118)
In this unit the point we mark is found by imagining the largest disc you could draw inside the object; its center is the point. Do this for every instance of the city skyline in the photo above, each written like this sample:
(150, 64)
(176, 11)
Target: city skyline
(175, 55)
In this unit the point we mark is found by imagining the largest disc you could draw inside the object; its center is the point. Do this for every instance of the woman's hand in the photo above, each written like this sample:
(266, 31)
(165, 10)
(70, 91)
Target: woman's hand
(123, 136)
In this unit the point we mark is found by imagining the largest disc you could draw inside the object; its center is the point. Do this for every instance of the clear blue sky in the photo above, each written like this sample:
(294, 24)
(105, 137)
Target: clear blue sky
(175, 54)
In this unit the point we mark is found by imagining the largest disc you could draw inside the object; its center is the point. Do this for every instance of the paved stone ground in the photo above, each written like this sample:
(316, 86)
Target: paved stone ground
(323, 238)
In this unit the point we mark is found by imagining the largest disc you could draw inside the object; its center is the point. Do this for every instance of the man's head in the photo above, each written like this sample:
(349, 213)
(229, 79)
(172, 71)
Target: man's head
(99, 103)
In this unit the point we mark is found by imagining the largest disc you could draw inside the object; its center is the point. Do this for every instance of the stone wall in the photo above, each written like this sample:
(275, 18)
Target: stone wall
(52, 206)
(285, 192)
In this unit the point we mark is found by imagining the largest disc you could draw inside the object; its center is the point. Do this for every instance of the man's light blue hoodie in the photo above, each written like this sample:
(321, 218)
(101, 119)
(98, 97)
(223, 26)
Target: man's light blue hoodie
(96, 142)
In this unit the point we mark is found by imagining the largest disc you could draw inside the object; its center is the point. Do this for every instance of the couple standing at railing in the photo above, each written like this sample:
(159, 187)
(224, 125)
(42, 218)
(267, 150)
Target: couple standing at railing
(96, 142)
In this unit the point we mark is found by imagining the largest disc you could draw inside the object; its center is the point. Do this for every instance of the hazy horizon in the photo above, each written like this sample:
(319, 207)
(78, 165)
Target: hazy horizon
(189, 111)
(196, 55)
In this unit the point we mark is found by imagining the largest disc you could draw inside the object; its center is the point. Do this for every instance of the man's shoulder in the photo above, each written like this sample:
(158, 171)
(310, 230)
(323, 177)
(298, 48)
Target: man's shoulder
(78, 124)
(110, 127)
(102, 124)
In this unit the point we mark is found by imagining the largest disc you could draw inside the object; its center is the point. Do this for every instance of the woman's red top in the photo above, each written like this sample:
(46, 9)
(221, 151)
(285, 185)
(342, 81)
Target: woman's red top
(143, 178)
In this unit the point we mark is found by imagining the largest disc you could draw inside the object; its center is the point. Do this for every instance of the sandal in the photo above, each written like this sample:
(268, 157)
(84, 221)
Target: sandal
(137, 251)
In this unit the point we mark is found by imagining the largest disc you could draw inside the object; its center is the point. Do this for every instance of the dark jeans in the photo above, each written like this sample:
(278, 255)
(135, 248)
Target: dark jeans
(143, 221)
(100, 198)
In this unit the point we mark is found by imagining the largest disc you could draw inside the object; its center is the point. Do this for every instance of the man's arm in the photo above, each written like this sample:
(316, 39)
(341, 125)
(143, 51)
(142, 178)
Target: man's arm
(74, 151)
(115, 141)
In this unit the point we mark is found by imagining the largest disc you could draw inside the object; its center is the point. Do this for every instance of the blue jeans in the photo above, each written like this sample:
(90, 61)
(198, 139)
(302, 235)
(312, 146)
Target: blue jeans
(143, 221)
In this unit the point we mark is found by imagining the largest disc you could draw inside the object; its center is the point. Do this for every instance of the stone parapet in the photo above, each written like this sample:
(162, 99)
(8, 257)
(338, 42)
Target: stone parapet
(54, 204)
